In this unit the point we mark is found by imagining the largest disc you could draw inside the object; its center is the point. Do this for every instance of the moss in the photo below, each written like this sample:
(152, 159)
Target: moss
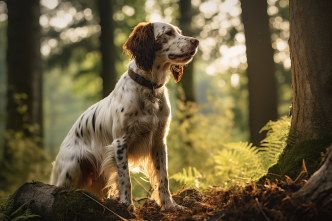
(6, 205)
(61, 203)
(290, 161)
(7, 211)
(71, 204)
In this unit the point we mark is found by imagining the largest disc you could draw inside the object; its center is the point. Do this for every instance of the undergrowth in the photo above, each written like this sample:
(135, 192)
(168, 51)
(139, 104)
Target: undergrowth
(240, 162)
(24, 160)
(7, 212)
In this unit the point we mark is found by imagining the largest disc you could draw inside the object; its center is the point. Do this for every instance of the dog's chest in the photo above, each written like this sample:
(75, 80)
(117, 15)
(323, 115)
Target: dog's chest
(137, 112)
(154, 114)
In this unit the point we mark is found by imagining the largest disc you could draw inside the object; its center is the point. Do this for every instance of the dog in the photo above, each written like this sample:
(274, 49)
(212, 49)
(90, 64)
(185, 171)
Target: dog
(128, 129)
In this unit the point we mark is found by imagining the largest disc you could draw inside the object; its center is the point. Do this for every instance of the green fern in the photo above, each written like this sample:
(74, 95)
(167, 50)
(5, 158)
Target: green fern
(22, 213)
(240, 163)
(190, 178)
(275, 142)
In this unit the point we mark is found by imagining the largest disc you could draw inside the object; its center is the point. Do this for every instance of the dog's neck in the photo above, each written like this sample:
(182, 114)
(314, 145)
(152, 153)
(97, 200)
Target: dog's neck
(160, 72)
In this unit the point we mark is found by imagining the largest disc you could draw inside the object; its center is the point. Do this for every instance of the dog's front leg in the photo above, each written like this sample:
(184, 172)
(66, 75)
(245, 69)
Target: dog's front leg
(160, 180)
(121, 159)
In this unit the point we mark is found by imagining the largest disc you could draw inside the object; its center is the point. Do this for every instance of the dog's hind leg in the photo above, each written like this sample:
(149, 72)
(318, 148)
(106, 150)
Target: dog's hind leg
(66, 170)
(72, 171)
(116, 160)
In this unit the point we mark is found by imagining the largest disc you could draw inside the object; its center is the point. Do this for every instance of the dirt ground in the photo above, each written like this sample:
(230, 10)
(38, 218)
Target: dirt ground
(268, 202)
(272, 201)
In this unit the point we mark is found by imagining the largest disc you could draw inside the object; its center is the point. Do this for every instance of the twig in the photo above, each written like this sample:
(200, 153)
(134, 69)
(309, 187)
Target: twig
(274, 174)
(304, 170)
(141, 185)
(147, 196)
(261, 209)
(182, 185)
(140, 199)
(105, 207)
(289, 180)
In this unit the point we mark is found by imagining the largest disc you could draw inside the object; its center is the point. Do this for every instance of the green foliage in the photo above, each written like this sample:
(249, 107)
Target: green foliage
(190, 179)
(8, 214)
(275, 141)
(195, 136)
(240, 163)
(23, 158)
(311, 151)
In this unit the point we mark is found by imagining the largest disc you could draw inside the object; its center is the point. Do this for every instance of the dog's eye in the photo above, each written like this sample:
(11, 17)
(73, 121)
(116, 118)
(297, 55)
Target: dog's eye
(169, 33)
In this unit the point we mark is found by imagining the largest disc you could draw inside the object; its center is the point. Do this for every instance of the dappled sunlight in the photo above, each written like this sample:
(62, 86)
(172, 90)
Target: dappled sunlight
(3, 11)
(50, 4)
(70, 47)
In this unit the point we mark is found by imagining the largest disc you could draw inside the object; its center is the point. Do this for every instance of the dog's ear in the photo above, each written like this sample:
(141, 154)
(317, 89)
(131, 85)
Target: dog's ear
(177, 71)
(141, 46)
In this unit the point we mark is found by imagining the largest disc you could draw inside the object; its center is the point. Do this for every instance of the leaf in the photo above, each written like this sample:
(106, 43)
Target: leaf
(190, 179)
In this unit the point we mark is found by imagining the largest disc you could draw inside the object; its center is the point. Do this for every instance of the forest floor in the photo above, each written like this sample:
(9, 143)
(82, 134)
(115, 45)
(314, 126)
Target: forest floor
(272, 201)
(268, 202)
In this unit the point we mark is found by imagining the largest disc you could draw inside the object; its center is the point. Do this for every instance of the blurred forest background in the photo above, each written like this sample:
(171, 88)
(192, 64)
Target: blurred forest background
(239, 80)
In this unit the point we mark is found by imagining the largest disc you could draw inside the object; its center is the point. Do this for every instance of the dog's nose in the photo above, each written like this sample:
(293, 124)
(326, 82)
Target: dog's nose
(194, 41)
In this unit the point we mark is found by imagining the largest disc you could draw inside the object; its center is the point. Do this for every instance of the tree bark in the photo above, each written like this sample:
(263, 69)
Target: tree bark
(187, 81)
(262, 84)
(107, 46)
(24, 65)
(311, 56)
(310, 49)
(310, 46)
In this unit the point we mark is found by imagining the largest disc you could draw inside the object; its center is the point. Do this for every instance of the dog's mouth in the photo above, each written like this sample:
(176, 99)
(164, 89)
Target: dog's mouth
(182, 57)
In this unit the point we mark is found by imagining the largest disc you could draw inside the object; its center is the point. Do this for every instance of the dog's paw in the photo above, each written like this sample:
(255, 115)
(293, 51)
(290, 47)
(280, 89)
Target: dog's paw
(173, 205)
(132, 208)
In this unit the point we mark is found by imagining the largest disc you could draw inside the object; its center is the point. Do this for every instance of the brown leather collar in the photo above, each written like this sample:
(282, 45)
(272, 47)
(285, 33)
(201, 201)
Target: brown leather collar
(142, 81)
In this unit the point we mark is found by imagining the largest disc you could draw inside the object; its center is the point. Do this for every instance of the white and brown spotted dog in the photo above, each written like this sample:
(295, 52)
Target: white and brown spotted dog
(128, 129)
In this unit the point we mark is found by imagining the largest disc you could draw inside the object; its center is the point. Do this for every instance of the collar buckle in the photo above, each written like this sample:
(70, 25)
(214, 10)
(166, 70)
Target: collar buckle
(138, 78)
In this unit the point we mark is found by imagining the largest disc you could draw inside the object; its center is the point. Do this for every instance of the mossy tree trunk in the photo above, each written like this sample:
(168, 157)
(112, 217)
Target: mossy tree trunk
(262, 84)
(107, 46)
(310, 47)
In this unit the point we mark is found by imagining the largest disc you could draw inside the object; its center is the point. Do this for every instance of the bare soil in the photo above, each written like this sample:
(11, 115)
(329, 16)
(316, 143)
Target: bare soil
(268, 202)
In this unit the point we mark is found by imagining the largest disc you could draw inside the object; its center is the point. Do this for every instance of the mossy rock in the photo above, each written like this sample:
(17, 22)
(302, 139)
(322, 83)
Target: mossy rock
(65, 203)
(290, 161)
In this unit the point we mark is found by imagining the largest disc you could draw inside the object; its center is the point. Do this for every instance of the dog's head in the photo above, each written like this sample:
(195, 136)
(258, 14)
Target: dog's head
(150, 40)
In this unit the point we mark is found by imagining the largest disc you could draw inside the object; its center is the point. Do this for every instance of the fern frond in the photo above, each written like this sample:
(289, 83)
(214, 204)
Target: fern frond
(275, 141)
(190, 178)
(240, 163)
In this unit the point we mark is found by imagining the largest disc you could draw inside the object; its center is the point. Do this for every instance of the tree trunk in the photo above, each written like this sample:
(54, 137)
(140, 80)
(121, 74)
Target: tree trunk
(107, 46)
(25, 68)
(187, 81)
(262, 84)
(319, 187)
(310, 49)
